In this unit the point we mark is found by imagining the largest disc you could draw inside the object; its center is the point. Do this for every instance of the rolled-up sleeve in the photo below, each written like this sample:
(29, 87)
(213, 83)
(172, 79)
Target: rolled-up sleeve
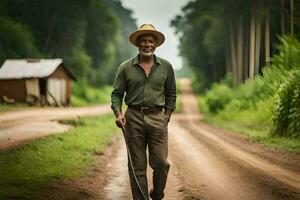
(118, 89)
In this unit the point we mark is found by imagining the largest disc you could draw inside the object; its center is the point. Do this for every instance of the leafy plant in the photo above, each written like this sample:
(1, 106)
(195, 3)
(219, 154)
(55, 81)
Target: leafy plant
(218, 97)
(269, 102)
(286, 114)
(16, 40)
(288, 58)
(83, 94)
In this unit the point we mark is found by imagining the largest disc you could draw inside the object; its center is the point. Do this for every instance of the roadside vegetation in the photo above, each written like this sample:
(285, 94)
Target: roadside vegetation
(25, 170)
(8, 107)
(83, 94)
(178, 100)
(267, 108)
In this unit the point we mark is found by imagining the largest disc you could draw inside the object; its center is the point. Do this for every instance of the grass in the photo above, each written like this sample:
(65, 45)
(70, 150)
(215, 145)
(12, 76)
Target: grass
(6, 107)
(83, 95)
(178, 104)
(253, 122)
(25, 170)
(256, 134)
(178, 99)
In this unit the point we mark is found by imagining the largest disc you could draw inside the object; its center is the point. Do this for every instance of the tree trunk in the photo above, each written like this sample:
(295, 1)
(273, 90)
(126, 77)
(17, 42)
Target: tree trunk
(233, 52)
(292, 16)
(282, 18)
(257, 45)
(246, 50)
(215, 73)
(240, 54)
(50, 32)
(267, 37)
(252, 47)
(228, 63)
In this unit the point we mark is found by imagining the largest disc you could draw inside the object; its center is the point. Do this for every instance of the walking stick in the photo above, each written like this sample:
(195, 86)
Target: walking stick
(131, 165)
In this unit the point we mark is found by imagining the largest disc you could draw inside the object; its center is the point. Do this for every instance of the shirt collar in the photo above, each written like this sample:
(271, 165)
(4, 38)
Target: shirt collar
(136, 60)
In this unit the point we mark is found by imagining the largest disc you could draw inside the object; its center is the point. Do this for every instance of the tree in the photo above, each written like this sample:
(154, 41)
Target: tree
(86, 34)
(16, 41)
(236, 36)
(201, 42)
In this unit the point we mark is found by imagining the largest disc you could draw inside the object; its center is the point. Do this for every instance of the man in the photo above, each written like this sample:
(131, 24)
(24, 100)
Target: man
(149, 84)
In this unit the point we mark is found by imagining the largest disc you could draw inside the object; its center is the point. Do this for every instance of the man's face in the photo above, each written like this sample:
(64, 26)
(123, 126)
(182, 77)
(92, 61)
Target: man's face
(146, 45)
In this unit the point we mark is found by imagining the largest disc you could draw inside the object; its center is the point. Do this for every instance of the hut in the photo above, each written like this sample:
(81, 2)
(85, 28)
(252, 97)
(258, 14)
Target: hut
(35, 81)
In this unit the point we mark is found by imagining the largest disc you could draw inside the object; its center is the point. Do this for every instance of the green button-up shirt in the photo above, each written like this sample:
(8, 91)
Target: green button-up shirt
(158, 89)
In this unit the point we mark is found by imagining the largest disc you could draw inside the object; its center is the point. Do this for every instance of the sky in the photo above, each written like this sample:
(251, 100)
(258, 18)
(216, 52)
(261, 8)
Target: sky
(160, 13)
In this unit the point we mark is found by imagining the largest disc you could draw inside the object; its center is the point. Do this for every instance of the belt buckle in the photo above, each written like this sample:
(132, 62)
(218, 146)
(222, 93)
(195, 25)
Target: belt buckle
(144, 109)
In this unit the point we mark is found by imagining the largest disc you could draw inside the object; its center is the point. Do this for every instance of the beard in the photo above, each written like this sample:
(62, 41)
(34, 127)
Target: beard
(146, 53)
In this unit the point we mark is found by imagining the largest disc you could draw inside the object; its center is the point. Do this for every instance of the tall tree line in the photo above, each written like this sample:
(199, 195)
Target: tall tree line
(237, 36)
(91, 35)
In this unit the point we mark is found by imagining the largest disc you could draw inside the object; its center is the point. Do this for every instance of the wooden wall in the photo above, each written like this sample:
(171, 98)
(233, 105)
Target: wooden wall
(13, 89)
(61, 73)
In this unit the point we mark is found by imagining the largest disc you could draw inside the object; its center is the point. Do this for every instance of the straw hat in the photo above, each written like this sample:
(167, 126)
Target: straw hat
(147, 29)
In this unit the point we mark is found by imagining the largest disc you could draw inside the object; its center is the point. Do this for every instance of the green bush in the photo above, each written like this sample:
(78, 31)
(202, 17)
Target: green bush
(288, 58)
(83, 94)
(284, 73)
(269, 102)
(235, 98)
(289, 53)
(197, 85)
(256, 117)
(236, 105)
(249, 93)
(286, 114)
(228, 80)
(16, 41)
(218, 97)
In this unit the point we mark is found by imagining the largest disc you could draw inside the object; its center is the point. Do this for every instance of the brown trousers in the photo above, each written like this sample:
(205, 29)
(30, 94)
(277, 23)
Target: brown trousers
(148, 130)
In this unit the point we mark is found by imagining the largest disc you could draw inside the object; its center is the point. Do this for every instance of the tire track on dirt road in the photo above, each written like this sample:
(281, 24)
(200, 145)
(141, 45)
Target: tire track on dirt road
(205, 174)
(208, 171)
(118, 181)
(285, 176)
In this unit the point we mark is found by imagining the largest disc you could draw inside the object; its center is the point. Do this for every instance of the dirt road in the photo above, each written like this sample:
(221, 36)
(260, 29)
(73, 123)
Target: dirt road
(209, 163)
(206, 162)
(18, 127)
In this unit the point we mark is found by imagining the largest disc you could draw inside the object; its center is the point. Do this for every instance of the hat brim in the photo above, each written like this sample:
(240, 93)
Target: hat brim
(160, 38)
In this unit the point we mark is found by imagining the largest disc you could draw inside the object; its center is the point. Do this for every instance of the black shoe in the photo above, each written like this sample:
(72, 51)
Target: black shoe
(155, 196)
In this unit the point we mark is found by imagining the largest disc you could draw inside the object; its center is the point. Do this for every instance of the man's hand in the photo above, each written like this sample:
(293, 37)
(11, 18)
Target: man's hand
(168, 114)
(120, 120)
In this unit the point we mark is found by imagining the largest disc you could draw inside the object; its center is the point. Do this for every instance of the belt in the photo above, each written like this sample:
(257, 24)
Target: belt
(144, 109)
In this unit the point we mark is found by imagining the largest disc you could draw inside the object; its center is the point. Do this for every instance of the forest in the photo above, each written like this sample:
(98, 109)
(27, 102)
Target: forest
(245, 55)
(89, 35)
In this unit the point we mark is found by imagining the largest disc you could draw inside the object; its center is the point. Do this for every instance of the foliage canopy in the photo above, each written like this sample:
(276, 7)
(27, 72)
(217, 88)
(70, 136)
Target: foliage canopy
(87, 34)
